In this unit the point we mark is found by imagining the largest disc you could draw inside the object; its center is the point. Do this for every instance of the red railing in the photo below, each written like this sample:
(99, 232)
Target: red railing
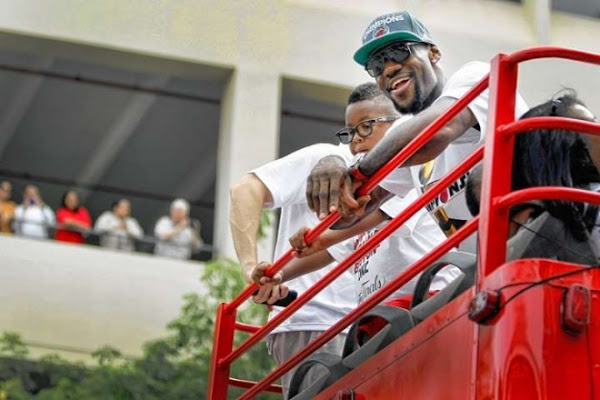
(494, 215)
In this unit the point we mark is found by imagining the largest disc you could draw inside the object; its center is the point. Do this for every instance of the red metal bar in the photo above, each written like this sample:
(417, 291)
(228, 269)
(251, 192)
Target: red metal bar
(548, 193)
(497, 169)
(387, 230)
(241, 383)
(222, 344)
(529, 124)
(553, 52)
(240, 326)
(465, 231)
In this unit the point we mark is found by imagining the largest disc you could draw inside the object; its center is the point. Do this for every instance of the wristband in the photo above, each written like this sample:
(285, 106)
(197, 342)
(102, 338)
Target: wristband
(357, 174)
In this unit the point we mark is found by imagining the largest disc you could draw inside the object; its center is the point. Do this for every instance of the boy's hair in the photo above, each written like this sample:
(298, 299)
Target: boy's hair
(367, 91)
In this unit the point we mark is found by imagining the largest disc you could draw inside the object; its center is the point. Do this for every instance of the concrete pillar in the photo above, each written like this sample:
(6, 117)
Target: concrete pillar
(248, 138)
(539, 12)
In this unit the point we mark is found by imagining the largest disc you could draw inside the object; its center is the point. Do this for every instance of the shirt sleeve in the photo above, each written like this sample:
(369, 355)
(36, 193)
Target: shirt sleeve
(162, 227)
(286, 177)
(49, 216)
(394, 206)
(399, 182)
(342, 250)
(86, 219)
(60, 215)
(464, 80)
(104, 223)
(459, 84)
(134, 228)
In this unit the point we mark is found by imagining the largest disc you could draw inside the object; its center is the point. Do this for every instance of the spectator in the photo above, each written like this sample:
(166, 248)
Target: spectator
(33, 217)
(7, 207)
(72, 219)
(176, 238)
(117, 230)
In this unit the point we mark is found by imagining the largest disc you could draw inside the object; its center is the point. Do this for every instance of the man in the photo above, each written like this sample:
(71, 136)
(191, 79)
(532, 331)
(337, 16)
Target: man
(280, 184)
(401, 55)
(7, 207)
(177, 236)
(117, 229)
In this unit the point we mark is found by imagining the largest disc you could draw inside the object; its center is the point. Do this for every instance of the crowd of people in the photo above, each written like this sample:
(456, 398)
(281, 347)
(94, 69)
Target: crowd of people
(410, 91)
(175, 235)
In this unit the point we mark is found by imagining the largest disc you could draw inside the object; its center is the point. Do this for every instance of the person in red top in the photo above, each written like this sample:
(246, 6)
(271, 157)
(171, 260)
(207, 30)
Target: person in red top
(72, 219)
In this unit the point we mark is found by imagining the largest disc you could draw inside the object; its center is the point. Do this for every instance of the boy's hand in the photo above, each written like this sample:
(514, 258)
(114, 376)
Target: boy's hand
(270, 288)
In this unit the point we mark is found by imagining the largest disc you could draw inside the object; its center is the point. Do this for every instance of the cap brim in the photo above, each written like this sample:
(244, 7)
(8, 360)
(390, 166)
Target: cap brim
(362, 55)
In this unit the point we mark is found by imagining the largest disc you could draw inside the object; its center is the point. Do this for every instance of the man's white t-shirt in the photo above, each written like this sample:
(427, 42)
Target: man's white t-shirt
(449, 208)
(286, 180)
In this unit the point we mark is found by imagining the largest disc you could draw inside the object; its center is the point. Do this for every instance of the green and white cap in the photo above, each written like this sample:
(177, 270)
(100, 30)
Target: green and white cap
(388, 28)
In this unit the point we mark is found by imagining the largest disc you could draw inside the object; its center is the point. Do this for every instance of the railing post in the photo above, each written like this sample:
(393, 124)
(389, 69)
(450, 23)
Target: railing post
(222, 345)
(497, 173)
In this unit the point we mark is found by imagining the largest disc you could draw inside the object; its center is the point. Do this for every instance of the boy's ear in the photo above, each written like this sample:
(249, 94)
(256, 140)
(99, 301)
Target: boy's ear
(434, 54)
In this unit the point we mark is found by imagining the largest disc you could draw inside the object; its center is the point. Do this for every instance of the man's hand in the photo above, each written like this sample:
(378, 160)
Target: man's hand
(270, 288)
(327, 180)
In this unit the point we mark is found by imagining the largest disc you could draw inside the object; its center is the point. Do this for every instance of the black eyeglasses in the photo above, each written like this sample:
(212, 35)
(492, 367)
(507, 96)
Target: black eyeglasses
(363, 128)
(396, 52)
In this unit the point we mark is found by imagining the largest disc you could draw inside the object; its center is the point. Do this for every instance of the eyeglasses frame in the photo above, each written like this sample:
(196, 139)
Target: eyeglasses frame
(354, 130)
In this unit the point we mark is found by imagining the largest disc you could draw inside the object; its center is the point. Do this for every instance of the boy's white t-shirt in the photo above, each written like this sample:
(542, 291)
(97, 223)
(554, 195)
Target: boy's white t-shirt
(286, 180)
(409, 243)
(449, 208)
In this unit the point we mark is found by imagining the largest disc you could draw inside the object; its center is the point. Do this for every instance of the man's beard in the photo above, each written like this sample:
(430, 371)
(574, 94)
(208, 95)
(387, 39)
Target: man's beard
(419, 103)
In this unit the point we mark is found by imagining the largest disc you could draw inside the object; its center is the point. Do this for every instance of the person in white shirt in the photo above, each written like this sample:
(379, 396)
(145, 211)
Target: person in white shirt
(280, 184)
(33, 217)
(177, 237)
(117, 230)
(367, 105)
(401, 55)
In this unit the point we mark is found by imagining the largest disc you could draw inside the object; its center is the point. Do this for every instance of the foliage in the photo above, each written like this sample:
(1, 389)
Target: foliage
(173, 367)
(266, 217)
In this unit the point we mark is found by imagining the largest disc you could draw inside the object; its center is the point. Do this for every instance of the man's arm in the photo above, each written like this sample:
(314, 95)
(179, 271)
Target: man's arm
(247, 199)
(399, 136)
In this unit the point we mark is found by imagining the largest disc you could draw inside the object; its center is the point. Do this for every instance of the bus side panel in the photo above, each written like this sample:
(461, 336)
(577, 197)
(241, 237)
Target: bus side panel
(434, 360)
(525, 353)
(439, 368)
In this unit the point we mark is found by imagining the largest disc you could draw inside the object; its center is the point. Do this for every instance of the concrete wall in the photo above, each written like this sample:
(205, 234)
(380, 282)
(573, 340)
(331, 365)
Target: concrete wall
(64, 297)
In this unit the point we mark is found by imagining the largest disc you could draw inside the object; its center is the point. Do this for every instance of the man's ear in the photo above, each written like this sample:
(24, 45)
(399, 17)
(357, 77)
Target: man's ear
(434, 54)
